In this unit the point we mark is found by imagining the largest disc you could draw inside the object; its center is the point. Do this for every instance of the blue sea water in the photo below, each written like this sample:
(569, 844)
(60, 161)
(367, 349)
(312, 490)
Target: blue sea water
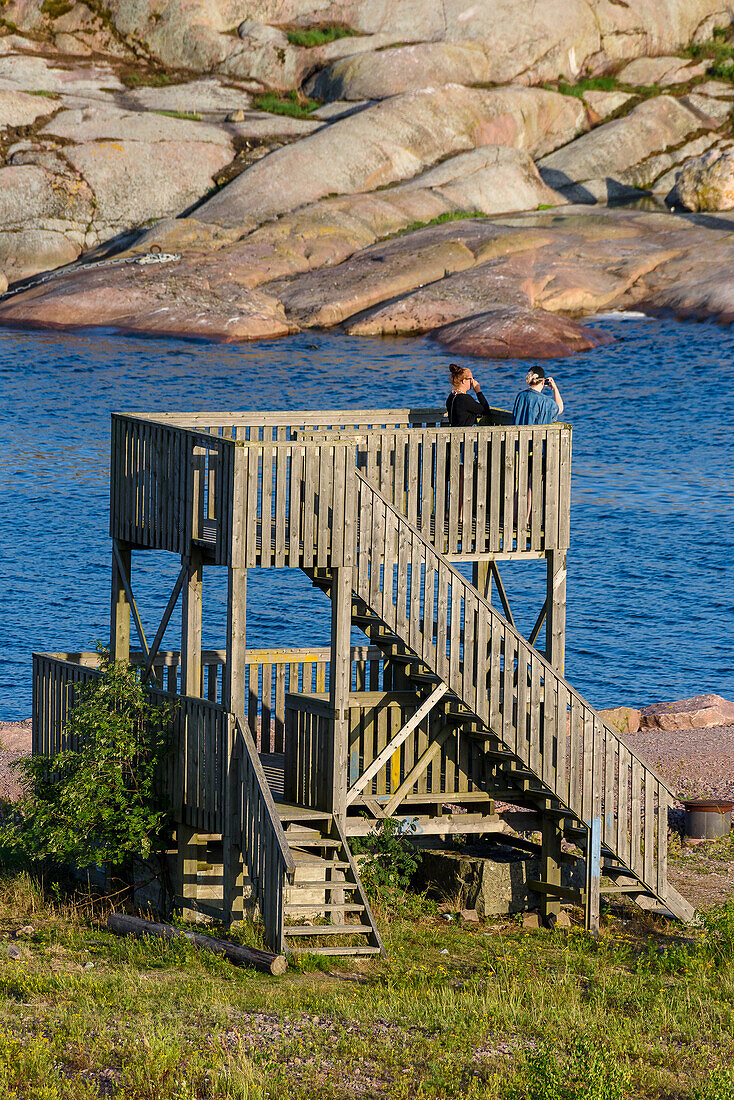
(651, 578)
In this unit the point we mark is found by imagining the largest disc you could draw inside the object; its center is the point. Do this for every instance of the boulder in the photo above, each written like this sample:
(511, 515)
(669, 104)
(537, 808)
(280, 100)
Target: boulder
(43, 219)
(193, 96)
(705, 183)
(622, 719)
(604, 104)
(138, 299)
(626, 150)
(133, 181)
(518, 334)
(395, 140)
(103, 123)
(403, 69)
(662, 71)
(699, 712)
(19, 109)
(330, 295)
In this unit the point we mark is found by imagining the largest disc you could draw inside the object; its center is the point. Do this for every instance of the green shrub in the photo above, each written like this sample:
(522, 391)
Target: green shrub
(392, 861)
(96, 804)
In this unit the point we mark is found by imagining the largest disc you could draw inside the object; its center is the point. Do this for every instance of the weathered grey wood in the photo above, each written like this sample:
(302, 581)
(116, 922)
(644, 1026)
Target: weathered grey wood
(339, 686)
(555, 606)
(266, 961)
(120, 613)
(191, 624)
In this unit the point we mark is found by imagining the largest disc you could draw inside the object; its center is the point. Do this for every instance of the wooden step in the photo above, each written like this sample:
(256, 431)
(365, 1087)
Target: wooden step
(327, 930)
(322, 884)
(328, 865)
(354, 949)
(323, 907)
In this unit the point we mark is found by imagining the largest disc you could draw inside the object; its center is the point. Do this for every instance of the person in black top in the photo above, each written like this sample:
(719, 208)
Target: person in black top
(463, 410)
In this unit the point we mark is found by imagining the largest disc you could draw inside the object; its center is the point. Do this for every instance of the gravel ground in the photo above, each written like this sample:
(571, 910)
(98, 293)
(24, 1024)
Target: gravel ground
(15, 742)
(696, 763)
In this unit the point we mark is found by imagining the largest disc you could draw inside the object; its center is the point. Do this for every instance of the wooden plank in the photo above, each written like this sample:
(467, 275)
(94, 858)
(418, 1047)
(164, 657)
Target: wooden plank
(483, 451)
(649, 830)
(384, 755)
(564, 490)
(636, 860)
(538, 442)
(523, 445)
(622, 845)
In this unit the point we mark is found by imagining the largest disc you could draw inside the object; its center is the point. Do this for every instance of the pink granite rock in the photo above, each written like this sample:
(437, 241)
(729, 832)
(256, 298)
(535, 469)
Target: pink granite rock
(697, 713)
(622, 719)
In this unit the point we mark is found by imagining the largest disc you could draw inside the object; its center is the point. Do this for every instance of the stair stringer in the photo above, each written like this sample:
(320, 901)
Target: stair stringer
(514, 691)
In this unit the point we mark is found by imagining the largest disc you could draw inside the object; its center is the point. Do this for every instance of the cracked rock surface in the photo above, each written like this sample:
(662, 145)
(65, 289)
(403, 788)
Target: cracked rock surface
(454, 181)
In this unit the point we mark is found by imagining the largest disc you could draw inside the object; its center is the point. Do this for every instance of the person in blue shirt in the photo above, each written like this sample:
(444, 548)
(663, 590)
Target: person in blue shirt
(532, 406)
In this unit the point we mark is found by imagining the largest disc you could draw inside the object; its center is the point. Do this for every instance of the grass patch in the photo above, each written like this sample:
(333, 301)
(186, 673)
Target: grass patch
(449, 216)
(56, 8)
(720, 50)
(191, 116)
(457, 1012)
(295, 104)
(133, 78)
(588, 84)
(319, 36)
(45, 94)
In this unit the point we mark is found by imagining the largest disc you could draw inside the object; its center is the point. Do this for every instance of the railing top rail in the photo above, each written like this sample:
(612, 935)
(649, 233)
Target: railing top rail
(292, 655)
(334, 434)
(248, 744)
(295, 418)
(492, 613)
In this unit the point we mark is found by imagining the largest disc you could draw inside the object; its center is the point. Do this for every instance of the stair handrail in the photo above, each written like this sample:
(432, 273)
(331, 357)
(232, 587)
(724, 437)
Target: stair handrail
(265, 850)
(584, 781)
(512, 630)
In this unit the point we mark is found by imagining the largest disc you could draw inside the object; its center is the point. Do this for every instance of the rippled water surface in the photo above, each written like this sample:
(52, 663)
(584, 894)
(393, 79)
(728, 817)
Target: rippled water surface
(651, 580)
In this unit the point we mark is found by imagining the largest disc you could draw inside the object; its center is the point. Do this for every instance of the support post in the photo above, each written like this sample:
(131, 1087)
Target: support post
(187, 839)
(481, 578)
(233, 691)
(120, 605)
(340, 676)
(191, 614)
(555, 623)
(550, 863)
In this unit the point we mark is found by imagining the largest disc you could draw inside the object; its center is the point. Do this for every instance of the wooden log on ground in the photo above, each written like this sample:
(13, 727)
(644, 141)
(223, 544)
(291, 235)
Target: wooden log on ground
(266, 961)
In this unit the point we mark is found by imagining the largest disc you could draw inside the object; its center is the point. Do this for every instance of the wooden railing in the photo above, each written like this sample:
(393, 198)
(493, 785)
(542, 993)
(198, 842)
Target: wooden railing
(459, 770)
(265, 851)
(513, 690)
(278, 478)
(473, 491)
(169, 486)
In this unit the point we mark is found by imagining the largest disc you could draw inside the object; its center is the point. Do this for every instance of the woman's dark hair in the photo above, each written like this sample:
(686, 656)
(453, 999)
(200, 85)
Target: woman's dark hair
(535, 375)
(456, 372)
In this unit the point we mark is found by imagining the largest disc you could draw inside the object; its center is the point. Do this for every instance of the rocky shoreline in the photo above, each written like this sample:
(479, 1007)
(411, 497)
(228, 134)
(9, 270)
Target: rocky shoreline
(460, 170)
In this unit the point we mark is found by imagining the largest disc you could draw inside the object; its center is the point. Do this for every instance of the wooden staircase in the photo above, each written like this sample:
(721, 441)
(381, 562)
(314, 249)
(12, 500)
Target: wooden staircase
(544, 745)
(326, 909)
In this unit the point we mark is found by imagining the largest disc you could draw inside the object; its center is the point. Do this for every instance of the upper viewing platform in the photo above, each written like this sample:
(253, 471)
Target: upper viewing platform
(271, 489)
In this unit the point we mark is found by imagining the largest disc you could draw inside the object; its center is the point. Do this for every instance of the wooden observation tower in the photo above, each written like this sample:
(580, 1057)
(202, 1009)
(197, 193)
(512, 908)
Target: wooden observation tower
(282, 755)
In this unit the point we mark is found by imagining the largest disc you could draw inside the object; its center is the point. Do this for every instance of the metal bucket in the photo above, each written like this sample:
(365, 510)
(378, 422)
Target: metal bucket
(707, 818)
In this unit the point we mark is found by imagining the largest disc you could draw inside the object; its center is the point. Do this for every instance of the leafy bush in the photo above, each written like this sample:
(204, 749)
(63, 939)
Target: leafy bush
(392, 861)
(95, 804)
(586, 1072)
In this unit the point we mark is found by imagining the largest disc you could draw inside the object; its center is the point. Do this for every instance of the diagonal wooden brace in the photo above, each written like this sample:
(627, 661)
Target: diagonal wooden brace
(165, 620)
(402, 735)
(418, 768)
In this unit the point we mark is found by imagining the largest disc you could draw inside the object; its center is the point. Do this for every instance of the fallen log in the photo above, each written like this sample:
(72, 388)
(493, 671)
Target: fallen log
(270, 963)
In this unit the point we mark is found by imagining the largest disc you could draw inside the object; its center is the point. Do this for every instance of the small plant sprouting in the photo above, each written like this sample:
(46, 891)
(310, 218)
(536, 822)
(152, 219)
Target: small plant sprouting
(392, 859)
